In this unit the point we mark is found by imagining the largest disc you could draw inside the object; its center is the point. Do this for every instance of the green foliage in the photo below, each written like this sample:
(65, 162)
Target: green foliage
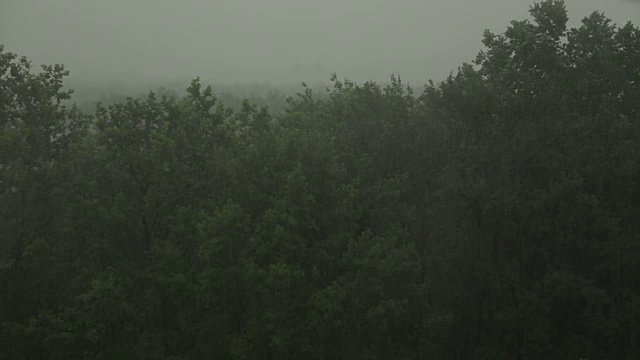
(491, 216)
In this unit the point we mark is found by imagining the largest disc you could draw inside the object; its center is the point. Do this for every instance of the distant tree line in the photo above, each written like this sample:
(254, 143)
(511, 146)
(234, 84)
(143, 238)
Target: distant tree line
(494, 215)
(272, 96)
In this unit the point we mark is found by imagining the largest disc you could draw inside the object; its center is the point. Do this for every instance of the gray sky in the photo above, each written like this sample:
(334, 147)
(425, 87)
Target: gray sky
(261, 40)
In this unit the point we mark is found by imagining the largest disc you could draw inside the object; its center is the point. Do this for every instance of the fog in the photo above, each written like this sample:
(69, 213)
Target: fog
(276, 41)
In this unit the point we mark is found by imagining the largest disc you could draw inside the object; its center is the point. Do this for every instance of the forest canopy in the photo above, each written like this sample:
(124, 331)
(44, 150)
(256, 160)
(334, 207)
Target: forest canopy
(494, 215)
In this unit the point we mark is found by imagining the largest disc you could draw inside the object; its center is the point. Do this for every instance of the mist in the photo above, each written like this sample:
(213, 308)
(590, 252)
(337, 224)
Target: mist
(149, 214)
(277, 41)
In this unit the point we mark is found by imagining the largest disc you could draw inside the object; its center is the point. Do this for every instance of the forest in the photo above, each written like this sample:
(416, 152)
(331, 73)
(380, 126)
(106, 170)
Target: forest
(492, 215)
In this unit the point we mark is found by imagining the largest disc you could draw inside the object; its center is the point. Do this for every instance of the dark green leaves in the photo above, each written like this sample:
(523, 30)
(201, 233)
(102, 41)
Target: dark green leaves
(493, 216)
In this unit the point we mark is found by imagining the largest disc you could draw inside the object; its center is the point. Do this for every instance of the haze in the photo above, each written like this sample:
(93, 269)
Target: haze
(276, 41)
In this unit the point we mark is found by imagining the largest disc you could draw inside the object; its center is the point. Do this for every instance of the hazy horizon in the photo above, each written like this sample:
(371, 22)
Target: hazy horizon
(278, 41)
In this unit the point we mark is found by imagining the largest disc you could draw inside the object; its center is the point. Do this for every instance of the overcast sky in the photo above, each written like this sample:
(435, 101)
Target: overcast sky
(263, 40)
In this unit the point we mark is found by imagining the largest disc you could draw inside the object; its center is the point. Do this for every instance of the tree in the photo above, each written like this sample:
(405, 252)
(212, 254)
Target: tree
(492, 216)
